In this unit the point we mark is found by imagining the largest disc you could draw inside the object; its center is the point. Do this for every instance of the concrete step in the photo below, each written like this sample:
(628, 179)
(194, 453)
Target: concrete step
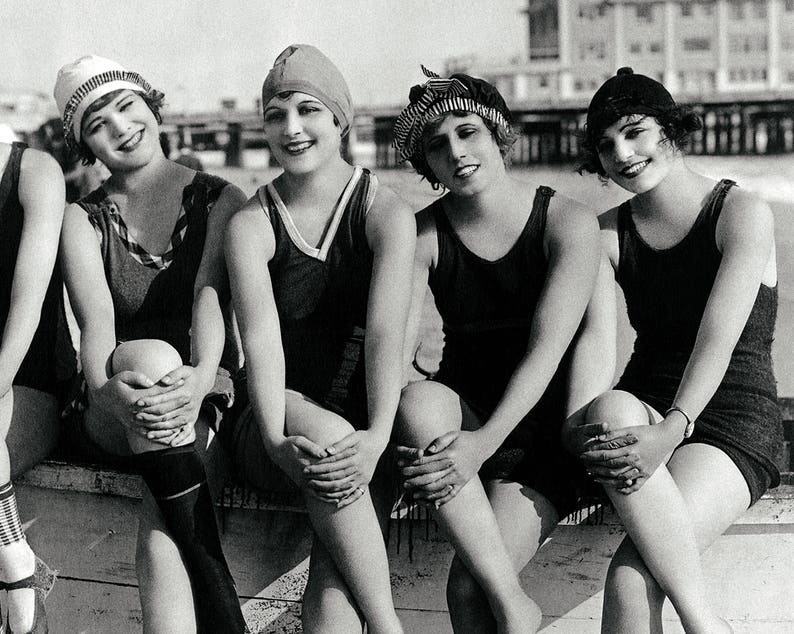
(83, 521)
(90, 538)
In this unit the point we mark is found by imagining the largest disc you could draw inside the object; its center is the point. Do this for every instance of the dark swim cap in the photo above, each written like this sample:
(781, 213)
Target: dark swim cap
(623, 94)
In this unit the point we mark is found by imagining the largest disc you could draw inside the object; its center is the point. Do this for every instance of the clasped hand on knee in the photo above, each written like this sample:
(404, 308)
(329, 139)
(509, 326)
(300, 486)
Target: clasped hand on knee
(623, 458)
(436, 474)
(338, 474)
(163, 412)
(169, 417)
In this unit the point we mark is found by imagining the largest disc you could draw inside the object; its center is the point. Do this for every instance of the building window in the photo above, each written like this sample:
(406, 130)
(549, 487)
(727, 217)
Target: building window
(635, 48)
(759, 8)
(736, 8)
(655, 47)
(789, 6)
(751, 43)
(592, 12)
(543, 81)
(644, 12)
(744, 75)
(592, 50)
(686, 9)
(697, 44)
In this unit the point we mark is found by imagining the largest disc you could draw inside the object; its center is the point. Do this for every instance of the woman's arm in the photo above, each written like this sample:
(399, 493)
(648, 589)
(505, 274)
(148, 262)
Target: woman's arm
(592, 365)
(41, 194)
(211, 290)
(425, 247)
(391, 232)
(745, 235)
(179, 408)
(84, 275)
(249, 246)
(572, 241)
(573, 254)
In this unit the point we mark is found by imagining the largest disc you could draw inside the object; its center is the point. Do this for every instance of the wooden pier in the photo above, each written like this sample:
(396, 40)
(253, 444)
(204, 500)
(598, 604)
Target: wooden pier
(547, 133)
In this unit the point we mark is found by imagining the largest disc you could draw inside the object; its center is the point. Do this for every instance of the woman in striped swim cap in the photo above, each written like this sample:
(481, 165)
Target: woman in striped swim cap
(512, 266)
(144, 268)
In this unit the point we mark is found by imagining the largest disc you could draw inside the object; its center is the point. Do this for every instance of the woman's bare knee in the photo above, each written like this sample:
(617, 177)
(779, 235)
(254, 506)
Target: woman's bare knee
(315, 423)
(426, 411)
(618, 409)
(153, 357)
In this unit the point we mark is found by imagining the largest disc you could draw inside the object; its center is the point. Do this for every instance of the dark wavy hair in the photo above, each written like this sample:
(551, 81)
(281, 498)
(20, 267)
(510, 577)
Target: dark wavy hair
(677, 124)
(503, 137)
(154, 99)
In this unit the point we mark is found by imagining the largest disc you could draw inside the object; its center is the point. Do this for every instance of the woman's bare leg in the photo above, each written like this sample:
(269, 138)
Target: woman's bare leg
(24, 410)
(662, 556)
(428, 410)
(525, 519)
(352, 537)
(163, 556)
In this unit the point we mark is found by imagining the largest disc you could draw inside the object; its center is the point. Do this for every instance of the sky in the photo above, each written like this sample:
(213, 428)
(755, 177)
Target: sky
(199, 52)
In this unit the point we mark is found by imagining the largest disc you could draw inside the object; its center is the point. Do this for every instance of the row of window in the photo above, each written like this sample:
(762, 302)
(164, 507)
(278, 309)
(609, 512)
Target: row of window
(648, 12)
(689, 81)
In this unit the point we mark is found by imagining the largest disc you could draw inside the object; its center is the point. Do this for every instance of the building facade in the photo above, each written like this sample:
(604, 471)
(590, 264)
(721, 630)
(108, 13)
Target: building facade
(700, 49)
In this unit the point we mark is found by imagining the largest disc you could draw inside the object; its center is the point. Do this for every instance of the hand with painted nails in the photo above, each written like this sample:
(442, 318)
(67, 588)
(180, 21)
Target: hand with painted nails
(344, 474)
(117, 397)
(170, 416)
(625, 458)
(435, 475)
(578, 436)
(293, 454)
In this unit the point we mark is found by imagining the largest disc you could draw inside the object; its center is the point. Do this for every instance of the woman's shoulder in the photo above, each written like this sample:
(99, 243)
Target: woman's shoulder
(388, 207)
(38, 166)
(744, 216)
(567, 215)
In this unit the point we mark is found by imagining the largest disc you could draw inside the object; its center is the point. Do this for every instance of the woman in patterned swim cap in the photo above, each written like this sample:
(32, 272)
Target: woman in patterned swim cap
(687, 439)
(512, 266)
(143, 265)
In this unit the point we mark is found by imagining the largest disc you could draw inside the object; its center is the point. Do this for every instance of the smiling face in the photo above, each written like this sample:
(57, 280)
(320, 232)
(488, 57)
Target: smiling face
(635, 153)
(462, 153)
(121, 130)
(301, 132)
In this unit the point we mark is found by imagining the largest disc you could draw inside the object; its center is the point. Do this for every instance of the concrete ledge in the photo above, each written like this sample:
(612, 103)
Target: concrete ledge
(90, 539)
(775, 507)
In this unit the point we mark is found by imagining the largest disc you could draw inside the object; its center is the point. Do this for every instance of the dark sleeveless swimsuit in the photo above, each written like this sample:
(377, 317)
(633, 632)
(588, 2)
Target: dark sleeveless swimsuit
(666, 293)
(151, 302)
(321, 295)
(38, 368)
(487, 309)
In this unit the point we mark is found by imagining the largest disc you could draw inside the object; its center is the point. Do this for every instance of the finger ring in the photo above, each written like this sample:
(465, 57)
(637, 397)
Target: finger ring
(361, 490)
(629, 482)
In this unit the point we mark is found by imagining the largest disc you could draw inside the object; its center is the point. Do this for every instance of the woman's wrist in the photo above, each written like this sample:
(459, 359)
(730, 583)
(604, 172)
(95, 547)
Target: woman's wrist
(206, 374)
(486, 442)
(678, 423)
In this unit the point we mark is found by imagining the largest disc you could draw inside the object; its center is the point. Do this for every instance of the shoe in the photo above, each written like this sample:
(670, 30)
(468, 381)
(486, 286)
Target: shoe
(42, 580)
